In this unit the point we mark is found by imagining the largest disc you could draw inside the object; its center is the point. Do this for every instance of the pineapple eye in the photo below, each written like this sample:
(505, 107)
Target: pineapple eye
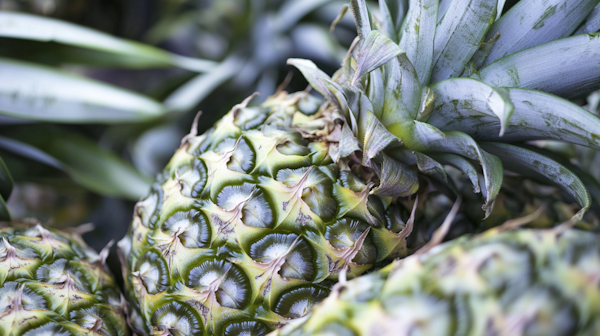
(29, 299)
(246, 328)
(317, 193)
(344, 233)
(149, 209)
(242, 159)
(233, 290)
(59, 273)
(298, 261)
(192, 178)
(153, 271)
(250, 117)
(177, 319)
(191, 227)
(426, 315)
(299, 301)
(257, 211)
(88, 317)
(48, 329)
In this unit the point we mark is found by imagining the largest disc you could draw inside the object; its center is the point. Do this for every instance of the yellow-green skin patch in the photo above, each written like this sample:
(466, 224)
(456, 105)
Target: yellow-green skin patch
(52, 283)
(524, 282)
(250, 225)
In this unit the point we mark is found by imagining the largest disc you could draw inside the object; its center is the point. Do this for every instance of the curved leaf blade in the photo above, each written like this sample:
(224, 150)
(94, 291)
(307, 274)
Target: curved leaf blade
(31, 27)
(525, 161)
(463, 98)
(567, 67)
(461, 164)
(376, 50)
(462, 144)
(88, 164)
(591, 24)
(459, 35)
(45, 94)
(403, 91)
(533, 22)
(418, 31)
(537, 116)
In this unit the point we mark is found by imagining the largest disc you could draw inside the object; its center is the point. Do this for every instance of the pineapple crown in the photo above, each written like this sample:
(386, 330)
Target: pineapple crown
(427, 84)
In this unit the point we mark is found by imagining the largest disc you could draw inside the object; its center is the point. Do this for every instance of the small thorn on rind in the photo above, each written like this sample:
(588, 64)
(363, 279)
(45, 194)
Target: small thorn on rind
(193, 131)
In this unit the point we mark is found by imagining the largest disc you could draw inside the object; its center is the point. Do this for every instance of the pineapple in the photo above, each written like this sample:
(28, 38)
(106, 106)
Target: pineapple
(523, 282)
(52, 283)
(252, 222)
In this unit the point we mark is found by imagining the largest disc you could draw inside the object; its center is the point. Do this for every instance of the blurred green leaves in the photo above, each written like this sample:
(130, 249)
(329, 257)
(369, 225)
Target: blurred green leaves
(88, 164)
(46, 94)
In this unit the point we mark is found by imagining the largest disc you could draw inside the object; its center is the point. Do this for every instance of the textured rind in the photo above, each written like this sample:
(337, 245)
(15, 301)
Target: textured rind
(252, 223)
(52, 283)
(524, 282)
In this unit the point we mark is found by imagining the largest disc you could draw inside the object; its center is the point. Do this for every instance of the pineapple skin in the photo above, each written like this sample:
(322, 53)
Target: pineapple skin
(523, 282)
(251, 223)
(52, 283)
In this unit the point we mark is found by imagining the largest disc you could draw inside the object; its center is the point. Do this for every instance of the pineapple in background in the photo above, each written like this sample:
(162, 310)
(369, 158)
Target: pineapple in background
(52, 283)
(523, 282)
(252, 222)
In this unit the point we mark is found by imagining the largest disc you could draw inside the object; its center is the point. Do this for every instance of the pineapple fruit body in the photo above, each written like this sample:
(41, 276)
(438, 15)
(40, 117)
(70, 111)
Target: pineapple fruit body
(524, 282)
(252, 222)
(52, 283)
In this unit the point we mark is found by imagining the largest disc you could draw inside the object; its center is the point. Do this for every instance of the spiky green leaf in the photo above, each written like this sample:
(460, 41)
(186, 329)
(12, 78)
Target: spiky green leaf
(527, 162)
(533, 22)
(591, 24)
(462, 164)
(42, 93)
(568, 67)
(418, 31)
(459, 35)
(362, 17)
(396, 179)
(312, 74)
(465, 98)
(375, 50)
(402, 93)
(89, 165)
(126, 53)
(537, 116)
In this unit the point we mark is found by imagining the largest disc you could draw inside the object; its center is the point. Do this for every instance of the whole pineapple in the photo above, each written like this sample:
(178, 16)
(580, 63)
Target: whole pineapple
(52, 283)
(252, 222)
(523, 282)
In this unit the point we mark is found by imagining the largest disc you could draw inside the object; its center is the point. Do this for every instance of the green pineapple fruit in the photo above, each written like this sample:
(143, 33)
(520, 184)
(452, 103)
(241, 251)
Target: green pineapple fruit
(52, 283)
(252, 222)
(522, 282)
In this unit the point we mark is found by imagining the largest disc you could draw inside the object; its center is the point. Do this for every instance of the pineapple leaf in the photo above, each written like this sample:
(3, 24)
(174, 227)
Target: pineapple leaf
(388, 21)
(461, 164)
(537, 116)
(376, 137)
(418, 31)
(396, 179)
(375, 90)
(427, 139)
(376, 50)
(6, 181)
(348, 142)
(89, 165)
(529, 162)
(119, 52)
(194, 91)
(402, 92)
(591, 24)
(464, 98)
(312, 74)
(459, 35)
(429, 166)
(567, 67)
(362, 17)
(42, 93)
(533, 22)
